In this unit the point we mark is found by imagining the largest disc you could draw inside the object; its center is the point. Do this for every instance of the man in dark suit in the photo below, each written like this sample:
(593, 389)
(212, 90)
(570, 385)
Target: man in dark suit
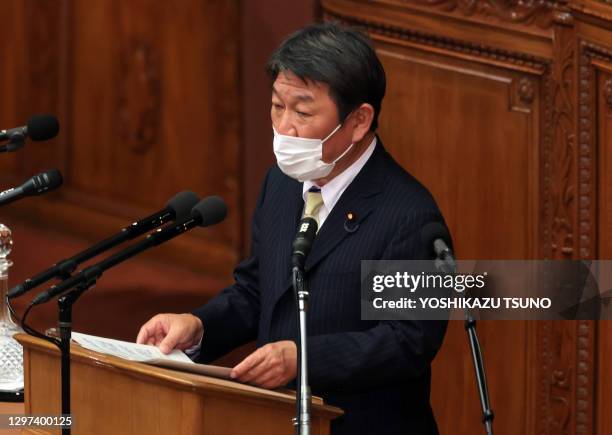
(328, 85)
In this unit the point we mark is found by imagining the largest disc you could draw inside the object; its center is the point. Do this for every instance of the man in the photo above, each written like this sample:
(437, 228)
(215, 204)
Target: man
(328, 85)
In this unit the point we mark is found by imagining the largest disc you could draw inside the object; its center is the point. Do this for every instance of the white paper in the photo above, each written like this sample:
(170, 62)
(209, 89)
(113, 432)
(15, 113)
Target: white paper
(127, 350)
(148, 354)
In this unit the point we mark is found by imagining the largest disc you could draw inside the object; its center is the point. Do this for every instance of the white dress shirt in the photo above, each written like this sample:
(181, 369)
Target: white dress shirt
(333, 190)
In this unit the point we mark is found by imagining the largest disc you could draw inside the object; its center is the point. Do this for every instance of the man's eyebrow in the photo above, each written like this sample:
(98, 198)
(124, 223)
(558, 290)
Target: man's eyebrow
(304, 98)
(300, 97)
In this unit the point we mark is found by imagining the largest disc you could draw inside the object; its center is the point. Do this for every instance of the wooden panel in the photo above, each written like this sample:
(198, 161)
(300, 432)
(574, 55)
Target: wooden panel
(604, 87)
(164, 117)
(14, 409)
(112, 395)
(448, 122)
(12, 81)
(32, 66)
(147, 96)
(602, 73)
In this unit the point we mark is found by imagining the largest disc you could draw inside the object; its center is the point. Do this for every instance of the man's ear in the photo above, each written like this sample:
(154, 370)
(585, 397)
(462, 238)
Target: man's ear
(361, 120)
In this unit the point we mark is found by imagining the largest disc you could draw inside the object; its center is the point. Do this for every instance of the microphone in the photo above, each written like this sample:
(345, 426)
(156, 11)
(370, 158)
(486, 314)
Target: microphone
(207, 212)
(436, 238)
(38, 128)
(307, 230)
(177, 207)
(38, 184)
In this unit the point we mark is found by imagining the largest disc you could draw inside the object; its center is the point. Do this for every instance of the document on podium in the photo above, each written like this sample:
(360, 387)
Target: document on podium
(148, 354)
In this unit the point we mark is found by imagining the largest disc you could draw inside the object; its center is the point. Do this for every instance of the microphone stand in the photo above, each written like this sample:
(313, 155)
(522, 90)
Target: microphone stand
(303, 394)
(446, 265)
(481, 379)
(65, 303)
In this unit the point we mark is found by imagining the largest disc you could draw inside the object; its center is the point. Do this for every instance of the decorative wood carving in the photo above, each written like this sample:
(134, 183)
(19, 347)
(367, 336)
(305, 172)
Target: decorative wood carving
(573, 170)
(608, 91)
(525, 12)
(586, 126)
(565, 395)
(585, 376)
(588, 52)
(452, 47)
(526, 91)
(558, 172)
(523, 94)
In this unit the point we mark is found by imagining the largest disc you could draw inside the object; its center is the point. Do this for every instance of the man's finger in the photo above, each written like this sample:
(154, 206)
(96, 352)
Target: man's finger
(249, 362)
(158, 337)
(142, 336)
(268, 379)
(258, 370)
(170, 341)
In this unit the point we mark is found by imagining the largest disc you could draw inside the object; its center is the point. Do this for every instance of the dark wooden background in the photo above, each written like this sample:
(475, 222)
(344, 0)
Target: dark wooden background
(503, 109)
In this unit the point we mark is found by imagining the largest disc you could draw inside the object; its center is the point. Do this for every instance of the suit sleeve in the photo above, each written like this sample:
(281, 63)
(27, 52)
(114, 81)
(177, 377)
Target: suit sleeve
(231, 318)
(389, 352)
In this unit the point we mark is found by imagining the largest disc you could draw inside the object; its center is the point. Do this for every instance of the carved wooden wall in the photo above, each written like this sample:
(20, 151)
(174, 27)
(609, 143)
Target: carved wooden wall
(503, 110)
(146, 93)
(153, 98)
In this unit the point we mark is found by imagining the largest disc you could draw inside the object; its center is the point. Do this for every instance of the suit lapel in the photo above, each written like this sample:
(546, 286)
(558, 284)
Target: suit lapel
(358, 198)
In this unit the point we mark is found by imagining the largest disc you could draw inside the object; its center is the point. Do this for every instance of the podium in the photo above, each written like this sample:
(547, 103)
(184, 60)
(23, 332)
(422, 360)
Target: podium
(114, 396)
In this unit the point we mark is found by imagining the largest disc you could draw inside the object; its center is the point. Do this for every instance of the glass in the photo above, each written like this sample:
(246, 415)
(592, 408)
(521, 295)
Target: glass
(11, 352)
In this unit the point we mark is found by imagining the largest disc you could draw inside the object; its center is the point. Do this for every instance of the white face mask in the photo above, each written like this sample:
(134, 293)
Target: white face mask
(300, 158)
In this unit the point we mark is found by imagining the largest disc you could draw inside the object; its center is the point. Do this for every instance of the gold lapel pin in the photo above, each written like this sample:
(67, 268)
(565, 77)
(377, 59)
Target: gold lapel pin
(350, 223)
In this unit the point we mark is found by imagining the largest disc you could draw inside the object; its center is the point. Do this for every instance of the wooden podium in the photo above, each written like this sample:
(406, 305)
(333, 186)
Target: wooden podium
(114, 396)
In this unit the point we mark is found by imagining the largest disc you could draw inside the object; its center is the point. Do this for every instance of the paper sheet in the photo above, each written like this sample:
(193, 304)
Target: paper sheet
(127, 350)
(148, 354)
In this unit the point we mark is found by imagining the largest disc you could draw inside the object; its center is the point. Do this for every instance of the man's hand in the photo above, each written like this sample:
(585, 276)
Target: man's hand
(171, 331)
(270, 366)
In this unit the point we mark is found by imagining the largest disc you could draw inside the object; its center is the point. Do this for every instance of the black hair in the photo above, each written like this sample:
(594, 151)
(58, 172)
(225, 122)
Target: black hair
(339, 56)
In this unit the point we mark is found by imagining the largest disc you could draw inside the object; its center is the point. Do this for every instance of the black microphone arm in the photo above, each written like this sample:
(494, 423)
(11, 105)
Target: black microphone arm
(208, 211)
(37, 185)
(178, 207)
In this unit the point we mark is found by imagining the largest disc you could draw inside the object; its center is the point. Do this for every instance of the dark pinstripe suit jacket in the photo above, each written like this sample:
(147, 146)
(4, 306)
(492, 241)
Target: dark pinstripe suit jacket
(378, 372)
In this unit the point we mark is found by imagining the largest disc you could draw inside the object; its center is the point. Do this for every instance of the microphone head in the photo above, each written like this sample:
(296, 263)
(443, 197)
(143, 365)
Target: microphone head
(43, 127)
(307, 230)
(45, 181)
(211, 210)
(182, 203)
(430, 233)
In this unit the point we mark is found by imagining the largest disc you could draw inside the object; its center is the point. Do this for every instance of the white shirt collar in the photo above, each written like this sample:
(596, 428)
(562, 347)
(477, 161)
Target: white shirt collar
(333, 190)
